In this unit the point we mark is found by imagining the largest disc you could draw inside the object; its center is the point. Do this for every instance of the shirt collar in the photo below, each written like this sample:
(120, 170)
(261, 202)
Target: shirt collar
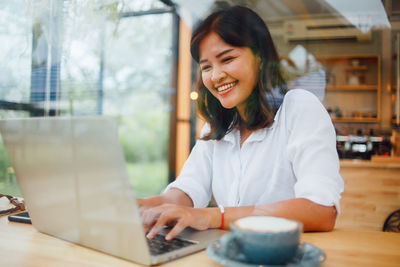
(234, 136)
(231, 136)
(258, 135)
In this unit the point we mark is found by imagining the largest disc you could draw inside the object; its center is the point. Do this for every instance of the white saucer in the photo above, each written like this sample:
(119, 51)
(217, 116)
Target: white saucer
(307, 256)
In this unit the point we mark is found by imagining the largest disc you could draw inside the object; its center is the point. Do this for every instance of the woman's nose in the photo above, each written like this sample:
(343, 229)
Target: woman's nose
(218, 75)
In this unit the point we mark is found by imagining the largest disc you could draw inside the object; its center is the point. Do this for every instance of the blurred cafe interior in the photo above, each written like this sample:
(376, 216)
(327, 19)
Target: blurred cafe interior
(130, 60)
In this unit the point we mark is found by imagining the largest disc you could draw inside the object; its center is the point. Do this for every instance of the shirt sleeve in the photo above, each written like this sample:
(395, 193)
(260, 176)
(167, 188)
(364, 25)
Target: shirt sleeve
(196, 175)
(312, 150)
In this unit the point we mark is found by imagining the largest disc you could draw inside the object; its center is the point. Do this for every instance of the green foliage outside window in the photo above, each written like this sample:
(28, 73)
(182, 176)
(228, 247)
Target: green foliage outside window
(108, 65)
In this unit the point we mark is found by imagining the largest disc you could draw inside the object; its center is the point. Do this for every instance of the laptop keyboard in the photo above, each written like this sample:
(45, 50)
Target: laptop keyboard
(158, 245)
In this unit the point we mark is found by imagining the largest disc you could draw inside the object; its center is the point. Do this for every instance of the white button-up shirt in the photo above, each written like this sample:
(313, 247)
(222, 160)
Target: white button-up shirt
(294, 158)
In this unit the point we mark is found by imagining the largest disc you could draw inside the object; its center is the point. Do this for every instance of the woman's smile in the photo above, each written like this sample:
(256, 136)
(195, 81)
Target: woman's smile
(225, 88)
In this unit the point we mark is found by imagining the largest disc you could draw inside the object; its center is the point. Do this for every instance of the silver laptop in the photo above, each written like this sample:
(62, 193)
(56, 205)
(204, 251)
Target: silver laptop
(73, 178)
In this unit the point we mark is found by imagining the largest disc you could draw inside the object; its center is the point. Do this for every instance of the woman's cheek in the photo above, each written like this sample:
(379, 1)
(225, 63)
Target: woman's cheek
(233, 68)
(206, 80)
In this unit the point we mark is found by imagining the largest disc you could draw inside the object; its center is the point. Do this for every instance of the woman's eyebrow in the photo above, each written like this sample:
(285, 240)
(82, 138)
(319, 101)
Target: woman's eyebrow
(203, 60)
(218, 56)
(224, 52)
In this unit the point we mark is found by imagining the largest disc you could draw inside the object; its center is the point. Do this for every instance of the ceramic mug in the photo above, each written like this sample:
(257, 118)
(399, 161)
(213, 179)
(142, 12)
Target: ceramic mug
(263, 240)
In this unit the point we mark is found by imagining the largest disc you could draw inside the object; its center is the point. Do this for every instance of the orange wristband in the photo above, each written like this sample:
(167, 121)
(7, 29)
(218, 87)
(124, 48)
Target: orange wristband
(221, 208)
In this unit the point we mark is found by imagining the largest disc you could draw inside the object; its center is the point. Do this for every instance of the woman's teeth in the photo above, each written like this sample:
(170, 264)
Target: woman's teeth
(226, 86)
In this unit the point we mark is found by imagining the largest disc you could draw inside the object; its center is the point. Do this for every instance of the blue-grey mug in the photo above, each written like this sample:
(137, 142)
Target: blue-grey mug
(262, 240)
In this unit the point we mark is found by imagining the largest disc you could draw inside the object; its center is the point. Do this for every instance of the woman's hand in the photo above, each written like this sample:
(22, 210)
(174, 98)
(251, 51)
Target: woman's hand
(172, 196)
(148, 203)
(180, 217)
(173, 208)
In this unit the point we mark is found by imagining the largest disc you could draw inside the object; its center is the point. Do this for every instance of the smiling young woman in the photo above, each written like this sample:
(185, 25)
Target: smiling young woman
(228, 72)
(262, 151)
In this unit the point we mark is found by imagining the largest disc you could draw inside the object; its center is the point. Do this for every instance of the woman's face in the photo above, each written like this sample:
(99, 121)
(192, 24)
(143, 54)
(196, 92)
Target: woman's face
(229, 72)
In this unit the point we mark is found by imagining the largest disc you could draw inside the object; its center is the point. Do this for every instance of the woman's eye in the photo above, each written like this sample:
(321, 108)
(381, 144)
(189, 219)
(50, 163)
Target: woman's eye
(205, 68)
(227, 59)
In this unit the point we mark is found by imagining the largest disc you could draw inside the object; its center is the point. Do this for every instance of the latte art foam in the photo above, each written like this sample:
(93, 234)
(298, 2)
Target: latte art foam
(266, 224)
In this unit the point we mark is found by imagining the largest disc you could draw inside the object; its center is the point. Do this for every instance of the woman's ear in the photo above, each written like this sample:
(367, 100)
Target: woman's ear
(259, 62)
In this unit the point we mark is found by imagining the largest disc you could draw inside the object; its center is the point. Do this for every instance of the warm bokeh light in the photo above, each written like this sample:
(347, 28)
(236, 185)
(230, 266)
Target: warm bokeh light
(194, 95)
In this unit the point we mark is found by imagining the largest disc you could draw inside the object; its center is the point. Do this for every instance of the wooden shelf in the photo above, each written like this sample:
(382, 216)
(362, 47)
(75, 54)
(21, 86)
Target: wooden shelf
(356, 68)
(352, 87)
(351, 119)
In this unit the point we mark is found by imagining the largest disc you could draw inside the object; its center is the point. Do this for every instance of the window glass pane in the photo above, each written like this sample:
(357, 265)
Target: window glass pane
(15, 54)
(15, 68)
(87, 60)
(129, 6)
(337, 51)
(137, 78)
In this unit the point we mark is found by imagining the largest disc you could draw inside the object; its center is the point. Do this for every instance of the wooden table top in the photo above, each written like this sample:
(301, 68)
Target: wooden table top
(23, 245)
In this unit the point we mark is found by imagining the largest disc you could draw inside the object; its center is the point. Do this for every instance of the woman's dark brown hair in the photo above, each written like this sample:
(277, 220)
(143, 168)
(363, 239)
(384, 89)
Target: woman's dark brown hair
(242, 27)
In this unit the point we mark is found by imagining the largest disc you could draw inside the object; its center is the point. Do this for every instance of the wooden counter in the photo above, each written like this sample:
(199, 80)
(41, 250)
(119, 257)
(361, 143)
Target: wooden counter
(359, 163)
(22, 245)
(371, 193)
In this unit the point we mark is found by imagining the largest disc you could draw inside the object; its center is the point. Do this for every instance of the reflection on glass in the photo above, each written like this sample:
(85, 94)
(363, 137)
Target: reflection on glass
(304, 71)
(363, 14)
(78, 58)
